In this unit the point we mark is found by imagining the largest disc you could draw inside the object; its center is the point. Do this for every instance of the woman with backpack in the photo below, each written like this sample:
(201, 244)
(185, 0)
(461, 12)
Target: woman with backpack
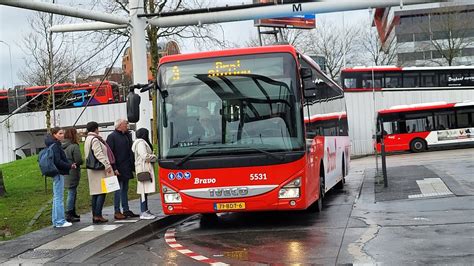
(53, 142)
(144, 158)
(104, 157)
(70, 146)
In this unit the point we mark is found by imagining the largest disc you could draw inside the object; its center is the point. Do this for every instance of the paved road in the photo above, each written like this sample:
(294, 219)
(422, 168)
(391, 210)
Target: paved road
(351, 228)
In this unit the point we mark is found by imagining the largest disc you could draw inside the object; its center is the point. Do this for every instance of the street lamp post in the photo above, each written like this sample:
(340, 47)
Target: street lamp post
(11, 69)
(9, 155)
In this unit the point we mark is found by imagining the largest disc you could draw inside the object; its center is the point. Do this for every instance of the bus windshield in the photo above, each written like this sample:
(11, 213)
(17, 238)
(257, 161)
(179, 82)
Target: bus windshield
(230, 104)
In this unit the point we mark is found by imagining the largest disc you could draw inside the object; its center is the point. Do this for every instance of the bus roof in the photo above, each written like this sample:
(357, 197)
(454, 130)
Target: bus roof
(229, 52)
(423, 106)
(395, 68)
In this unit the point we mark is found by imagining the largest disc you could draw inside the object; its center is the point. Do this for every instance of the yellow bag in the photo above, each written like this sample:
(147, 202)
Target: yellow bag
(109, 184)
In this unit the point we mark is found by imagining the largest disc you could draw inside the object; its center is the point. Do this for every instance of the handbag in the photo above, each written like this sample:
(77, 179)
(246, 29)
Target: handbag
(92, 162)
(144, 176)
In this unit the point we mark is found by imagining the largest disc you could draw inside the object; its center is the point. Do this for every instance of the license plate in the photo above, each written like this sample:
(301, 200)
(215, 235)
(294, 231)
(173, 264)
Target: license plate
(229, 206)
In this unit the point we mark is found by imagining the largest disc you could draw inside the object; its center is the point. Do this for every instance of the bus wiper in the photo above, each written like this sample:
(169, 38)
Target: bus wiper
(187, 157)
(274, 156)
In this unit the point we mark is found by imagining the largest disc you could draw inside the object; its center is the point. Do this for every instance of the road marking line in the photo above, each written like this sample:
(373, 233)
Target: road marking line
(431, 187)
(171, 241)
(185, 251)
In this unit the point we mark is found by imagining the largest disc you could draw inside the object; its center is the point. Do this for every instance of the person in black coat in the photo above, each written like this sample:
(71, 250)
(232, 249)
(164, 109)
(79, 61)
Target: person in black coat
(63, 165)
(120, 142)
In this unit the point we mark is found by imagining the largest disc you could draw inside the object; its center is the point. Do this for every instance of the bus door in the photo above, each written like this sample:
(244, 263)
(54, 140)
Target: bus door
(314, 140)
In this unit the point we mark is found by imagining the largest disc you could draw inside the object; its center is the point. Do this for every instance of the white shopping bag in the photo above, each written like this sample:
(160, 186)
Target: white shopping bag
(109, 184)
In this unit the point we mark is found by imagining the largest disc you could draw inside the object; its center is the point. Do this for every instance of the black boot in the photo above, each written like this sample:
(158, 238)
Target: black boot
(70, 218)
(74, 214)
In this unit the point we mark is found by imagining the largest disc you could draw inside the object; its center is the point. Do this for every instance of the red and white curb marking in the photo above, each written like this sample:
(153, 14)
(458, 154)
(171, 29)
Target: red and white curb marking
(171, 241)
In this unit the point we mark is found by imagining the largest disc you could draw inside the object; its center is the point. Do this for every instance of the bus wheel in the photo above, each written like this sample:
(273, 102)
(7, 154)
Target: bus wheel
(417, 145)
(340, 184)
(317, 206)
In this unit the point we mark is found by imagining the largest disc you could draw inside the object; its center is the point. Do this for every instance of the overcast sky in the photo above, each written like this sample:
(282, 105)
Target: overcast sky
(14, 25)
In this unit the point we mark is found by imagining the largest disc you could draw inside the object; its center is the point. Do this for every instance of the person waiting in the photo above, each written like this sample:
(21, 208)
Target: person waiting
(207, 129)
(120, 142)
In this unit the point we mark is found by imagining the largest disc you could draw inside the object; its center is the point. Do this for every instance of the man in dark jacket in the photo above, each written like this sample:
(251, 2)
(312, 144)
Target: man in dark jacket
(120, 142)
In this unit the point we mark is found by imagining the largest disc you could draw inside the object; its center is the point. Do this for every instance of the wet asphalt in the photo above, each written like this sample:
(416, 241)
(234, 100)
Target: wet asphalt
(352, 228)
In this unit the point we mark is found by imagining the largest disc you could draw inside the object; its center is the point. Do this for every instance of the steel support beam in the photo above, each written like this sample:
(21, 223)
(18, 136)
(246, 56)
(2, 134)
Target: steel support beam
(139, 59)
(274, 11)
(66, 11)
(86, 27)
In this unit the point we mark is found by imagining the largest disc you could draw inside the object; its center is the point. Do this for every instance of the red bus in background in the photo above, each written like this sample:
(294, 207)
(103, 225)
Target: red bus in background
(418, 127)
(249, 129)
(3, 102)
(391, 78)
(67, 95)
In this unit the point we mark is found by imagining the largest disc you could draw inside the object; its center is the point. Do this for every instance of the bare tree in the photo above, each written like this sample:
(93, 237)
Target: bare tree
(49, 59)
(204, 37)
(449, 32)
(371, 51)
(333, 44)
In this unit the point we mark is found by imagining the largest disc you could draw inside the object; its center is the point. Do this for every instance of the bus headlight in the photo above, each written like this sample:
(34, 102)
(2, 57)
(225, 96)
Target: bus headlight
(290, 190)
(289, 193)
(171, 196)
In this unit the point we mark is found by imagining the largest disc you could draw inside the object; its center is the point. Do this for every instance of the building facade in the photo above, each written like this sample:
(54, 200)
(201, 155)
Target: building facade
(436, 34)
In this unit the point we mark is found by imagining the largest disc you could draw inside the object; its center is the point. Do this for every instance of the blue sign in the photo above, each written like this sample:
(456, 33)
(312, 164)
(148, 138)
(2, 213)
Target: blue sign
(171, 176)
(179, 176)
(81, 94)
(187, 175)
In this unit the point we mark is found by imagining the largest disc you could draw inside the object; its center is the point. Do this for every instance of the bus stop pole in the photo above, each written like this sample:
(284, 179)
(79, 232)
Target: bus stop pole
(382, 150)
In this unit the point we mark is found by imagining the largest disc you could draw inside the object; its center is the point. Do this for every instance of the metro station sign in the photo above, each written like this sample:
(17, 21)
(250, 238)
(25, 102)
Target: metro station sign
(307, 21)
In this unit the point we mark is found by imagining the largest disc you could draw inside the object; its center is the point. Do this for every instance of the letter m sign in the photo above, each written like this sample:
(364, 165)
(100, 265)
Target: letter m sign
(297, 7)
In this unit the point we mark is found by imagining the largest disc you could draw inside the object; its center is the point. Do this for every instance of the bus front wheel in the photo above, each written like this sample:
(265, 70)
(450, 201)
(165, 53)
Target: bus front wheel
(417, 145)
(317, 206)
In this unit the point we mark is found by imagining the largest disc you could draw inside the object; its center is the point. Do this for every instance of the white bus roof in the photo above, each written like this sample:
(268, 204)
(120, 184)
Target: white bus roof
(407, 68)
(424, 106)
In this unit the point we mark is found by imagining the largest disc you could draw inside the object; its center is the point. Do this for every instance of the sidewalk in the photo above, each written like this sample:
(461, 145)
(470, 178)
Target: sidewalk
(424, 216)
(83, 240)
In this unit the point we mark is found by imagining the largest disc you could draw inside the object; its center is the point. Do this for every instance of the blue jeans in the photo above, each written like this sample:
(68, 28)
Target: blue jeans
(57, 212)
(144, 204)
(71, 199)
(98, 204)
(121, 196)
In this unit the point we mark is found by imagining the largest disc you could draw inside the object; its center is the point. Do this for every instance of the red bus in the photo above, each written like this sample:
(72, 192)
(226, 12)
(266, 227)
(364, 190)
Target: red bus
(391, 78)
(66, 95)
(3, 102)
(418, 127)
(250, 129)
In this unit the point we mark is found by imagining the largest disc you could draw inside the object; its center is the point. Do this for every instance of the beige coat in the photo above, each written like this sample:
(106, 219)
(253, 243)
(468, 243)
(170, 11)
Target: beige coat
(100, 152)
(143, 158)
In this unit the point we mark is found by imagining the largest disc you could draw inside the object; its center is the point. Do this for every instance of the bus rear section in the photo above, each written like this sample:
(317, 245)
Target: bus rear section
(232, 133)
(418, 127)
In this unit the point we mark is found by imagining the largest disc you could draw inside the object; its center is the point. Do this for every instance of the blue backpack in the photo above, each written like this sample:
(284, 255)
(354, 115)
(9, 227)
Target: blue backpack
(46, 162)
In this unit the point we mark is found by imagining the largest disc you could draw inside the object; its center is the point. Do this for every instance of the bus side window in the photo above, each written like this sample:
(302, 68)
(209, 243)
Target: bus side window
(350, 83)
(445, 120)
(463, 116)
(393, 80)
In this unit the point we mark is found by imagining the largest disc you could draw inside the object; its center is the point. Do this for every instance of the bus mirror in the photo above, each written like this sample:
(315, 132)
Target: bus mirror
(306, 73)
(133, 107)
